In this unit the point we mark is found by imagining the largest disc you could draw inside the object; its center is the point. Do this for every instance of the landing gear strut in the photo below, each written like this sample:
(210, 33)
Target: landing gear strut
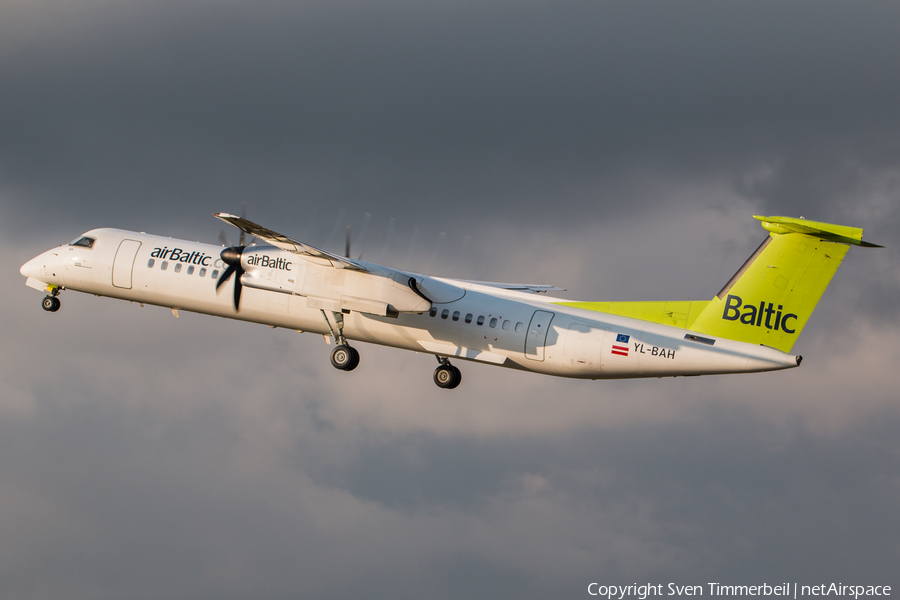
(343, 357)
(50, 303)
(446, 376)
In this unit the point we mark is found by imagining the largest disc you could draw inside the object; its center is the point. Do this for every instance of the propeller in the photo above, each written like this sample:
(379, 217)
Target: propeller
(232, 257)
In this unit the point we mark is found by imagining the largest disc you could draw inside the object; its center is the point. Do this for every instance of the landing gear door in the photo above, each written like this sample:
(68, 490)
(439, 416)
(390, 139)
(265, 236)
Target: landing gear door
(124, 263)
(536, 338)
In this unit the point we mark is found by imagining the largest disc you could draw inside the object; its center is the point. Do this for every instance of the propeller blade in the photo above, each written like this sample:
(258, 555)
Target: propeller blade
(225, 275)
(392, 225)
(238, 286)
(223, 238)
(412, 243)
(232, 257)
(243, 216)
(438, 245)
(361, 240)
(337, 226)
(347, 245)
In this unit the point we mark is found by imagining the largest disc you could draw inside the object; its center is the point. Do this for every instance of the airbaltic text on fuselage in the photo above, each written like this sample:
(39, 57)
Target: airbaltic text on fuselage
(262, 260)
(753, 315)
(179, 255)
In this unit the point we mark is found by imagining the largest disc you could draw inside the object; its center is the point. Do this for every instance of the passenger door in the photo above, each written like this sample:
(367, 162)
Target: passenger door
(536, 337)
(124, 263)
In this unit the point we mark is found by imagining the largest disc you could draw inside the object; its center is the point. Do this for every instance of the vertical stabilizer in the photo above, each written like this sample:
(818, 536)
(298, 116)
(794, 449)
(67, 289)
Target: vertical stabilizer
(769, 300)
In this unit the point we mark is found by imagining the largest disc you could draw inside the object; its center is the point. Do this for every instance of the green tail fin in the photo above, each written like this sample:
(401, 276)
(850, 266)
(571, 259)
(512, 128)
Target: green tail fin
(769, 300)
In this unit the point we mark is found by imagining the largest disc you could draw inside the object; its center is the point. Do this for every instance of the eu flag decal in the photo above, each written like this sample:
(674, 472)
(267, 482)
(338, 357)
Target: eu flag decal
(620, 346)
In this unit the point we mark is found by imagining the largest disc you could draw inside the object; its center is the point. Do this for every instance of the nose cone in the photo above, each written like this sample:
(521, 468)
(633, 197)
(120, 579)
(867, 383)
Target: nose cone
(32, 268)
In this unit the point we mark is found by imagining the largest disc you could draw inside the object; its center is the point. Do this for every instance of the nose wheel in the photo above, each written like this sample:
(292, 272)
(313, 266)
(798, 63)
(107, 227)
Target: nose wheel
(50, 303)
(447, 376)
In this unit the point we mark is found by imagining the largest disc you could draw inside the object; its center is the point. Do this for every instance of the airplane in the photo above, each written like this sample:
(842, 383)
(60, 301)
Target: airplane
(749, 326)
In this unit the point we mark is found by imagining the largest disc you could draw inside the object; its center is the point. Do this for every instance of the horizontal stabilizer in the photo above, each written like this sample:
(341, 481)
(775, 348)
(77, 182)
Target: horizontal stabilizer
(824, 231)
(519, 287)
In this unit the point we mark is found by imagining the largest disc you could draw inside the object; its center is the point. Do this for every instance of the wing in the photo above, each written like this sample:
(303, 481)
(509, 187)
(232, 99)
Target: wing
(285, 243)
(520, 287)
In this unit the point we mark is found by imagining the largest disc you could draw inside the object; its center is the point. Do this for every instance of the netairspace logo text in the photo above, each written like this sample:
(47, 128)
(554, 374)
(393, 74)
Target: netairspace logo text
(780, 590)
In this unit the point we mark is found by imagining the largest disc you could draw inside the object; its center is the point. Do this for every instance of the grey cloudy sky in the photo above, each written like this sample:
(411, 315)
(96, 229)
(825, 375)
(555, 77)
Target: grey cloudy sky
(615, 149)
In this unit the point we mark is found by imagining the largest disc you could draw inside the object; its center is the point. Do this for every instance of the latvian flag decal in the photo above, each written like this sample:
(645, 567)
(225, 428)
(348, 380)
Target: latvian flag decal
(620, 346)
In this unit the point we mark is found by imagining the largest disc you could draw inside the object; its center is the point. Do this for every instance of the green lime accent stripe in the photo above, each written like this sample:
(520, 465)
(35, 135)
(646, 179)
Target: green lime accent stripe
(677, 314)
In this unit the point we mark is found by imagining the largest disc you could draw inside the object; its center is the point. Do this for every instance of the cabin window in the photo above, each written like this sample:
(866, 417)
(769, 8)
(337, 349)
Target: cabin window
(215, 274)
(456, 316)
(432, 312)
(505, 325)
(202, 272)
(150, 263)
(480, 320)
(494, 322)
(178, 268)
(84, 242)
(469, 318)
(190, 269)
(445, 313)
(520, 326)
(164, 265)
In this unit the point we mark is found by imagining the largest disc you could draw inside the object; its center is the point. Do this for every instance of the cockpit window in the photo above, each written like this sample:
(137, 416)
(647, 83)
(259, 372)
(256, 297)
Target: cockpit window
(84, 242)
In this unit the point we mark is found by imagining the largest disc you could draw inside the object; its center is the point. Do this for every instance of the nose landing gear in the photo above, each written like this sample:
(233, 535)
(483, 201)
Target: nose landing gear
(50, 303)
(446, 376)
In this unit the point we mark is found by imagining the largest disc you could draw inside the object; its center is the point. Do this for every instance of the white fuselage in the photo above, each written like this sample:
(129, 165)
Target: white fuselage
(466, 320)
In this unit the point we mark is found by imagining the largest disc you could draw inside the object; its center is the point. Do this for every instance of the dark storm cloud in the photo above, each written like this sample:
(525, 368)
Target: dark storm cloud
(171, 475)
(156, 107)
(617, 149)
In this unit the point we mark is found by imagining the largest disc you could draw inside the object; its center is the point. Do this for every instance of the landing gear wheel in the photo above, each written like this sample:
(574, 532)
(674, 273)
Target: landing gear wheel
(344, 358)
(447, 376)
(457, 377)
(355, 361)
(50, 303)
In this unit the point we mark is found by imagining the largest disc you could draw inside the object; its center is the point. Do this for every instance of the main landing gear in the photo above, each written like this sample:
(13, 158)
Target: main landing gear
(446, 376)
(344, 356)
(50, 303)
